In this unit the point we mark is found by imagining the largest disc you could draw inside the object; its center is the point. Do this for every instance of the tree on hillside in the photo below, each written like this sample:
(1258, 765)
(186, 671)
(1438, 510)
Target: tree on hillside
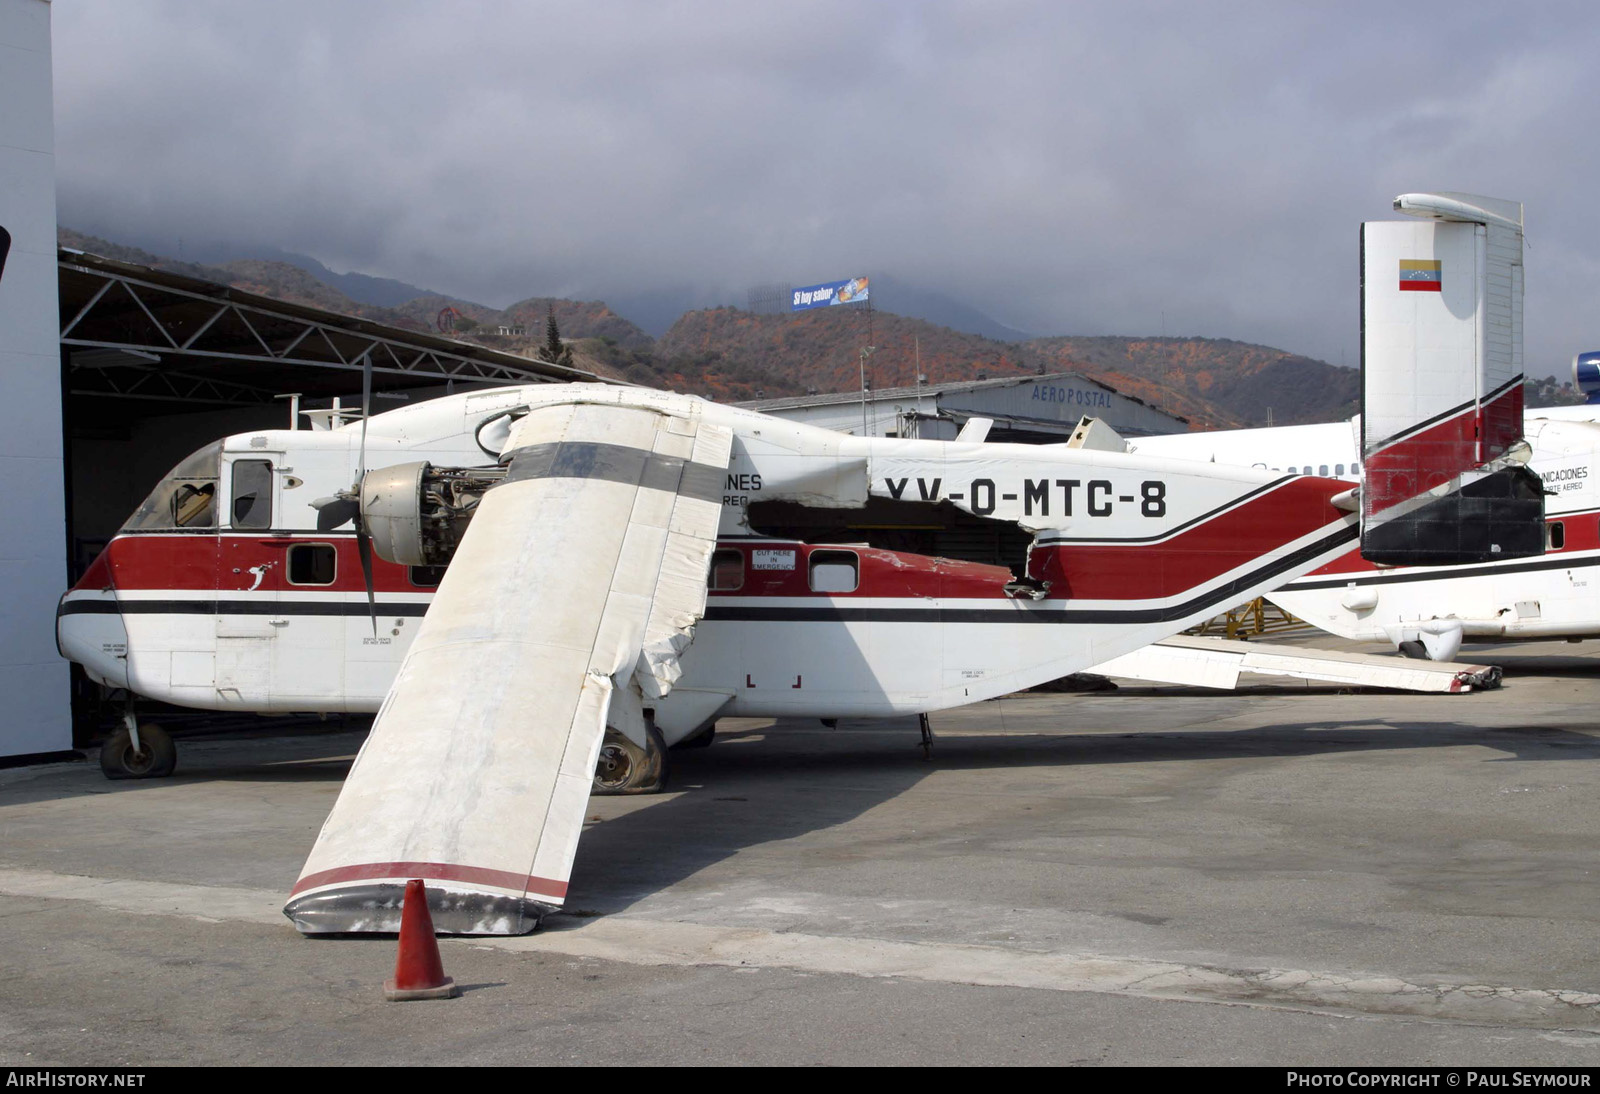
(552, 350)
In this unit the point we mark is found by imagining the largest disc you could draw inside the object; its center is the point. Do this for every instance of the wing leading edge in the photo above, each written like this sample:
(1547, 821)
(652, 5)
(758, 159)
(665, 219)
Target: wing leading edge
(567, 602)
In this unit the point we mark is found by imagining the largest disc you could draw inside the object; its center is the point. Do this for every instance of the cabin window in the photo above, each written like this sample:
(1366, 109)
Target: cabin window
(1323, 470)
(426, 577)
(727, 571)
(1557, 533)
(312, 564)
(834, 572)
(1338, 469)
(252, 494)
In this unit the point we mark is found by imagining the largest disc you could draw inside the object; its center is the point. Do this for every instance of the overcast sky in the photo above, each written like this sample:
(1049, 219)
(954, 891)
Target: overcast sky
(1069, 168)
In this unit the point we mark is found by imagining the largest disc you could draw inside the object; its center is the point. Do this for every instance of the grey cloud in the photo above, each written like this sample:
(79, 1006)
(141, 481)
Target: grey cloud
(1070, 168)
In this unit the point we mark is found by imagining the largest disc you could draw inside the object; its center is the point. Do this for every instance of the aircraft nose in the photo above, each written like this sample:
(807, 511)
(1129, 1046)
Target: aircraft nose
(90, 630)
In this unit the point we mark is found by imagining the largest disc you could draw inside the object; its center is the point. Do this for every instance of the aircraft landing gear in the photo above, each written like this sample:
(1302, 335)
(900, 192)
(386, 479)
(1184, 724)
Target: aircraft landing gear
(625, 768)
(702, 739)
(138, 751)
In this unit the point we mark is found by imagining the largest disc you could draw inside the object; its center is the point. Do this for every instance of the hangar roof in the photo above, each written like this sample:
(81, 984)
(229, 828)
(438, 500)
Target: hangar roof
(136, 332)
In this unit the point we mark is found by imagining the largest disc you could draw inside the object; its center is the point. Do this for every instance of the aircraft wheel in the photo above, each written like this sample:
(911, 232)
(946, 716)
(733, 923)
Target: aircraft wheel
(625, 768)
(154, 759)
(1414, 650)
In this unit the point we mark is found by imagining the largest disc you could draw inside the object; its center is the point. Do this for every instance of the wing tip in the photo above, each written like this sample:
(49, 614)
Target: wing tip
(373, 907)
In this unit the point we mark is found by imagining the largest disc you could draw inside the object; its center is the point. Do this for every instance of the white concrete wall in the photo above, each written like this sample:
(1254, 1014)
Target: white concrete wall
(33, 678)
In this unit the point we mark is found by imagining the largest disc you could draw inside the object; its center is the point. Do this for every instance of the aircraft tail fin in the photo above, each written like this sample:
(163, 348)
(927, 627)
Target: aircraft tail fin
(1443, 477)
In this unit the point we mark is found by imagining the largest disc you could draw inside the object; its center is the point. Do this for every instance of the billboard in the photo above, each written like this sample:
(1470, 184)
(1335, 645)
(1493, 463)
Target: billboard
(849, 291)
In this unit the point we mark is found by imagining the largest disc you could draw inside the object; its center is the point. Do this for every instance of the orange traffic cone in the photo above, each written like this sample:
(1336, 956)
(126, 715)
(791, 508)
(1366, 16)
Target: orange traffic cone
(418, 971)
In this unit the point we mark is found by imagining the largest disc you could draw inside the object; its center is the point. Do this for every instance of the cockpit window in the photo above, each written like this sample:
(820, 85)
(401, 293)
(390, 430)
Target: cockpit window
(252, 494)
(185, 498)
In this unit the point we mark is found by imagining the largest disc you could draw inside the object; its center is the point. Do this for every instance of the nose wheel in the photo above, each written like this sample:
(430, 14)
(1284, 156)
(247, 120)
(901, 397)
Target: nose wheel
(137, 751)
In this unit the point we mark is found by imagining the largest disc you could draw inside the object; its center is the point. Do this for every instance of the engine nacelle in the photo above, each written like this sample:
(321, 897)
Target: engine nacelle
(416, 513)
(1586, 375)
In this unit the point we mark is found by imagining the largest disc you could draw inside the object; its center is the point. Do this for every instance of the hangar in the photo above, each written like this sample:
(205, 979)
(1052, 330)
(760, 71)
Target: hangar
(155, 364)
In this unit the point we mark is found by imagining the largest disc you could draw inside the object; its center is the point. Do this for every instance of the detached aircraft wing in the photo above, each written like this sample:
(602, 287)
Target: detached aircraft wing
(478, 769)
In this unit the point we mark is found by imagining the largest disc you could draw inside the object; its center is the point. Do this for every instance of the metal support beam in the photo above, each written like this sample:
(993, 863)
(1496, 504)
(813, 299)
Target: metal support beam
(178, 319)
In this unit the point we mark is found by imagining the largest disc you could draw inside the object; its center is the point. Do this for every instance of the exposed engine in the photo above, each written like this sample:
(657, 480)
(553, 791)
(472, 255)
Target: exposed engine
(417, 513)
(1586, 375)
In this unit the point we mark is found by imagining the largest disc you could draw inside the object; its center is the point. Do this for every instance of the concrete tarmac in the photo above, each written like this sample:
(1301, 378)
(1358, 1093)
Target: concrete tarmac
(1284, 875)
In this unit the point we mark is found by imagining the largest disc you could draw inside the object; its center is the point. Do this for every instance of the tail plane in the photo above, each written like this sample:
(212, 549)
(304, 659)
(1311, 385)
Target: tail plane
(1441, 348)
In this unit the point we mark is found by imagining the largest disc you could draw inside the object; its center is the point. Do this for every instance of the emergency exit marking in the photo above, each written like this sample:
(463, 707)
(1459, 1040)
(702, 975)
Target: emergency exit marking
(771, 560)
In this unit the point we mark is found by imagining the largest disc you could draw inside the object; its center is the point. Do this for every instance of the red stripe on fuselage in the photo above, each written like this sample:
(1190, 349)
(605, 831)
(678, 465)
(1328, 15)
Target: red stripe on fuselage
(1236, 538)
(882, 574)
(226, 563)
(1106, 570)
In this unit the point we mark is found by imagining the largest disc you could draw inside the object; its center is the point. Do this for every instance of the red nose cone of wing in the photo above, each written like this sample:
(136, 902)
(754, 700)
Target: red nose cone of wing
(418, 970)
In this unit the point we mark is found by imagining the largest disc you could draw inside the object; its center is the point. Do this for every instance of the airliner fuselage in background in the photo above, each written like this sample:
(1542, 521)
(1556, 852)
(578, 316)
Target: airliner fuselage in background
(1433, 608)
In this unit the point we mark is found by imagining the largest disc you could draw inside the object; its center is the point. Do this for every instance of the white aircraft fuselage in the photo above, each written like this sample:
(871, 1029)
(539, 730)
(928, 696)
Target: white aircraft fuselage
(247, 606)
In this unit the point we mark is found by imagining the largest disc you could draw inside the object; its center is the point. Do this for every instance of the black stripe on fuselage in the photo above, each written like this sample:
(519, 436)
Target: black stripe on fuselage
(1495, 569)
(402, 608)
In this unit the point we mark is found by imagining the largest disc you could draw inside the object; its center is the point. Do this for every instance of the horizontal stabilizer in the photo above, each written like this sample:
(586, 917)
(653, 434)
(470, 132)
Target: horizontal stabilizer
(1210, 662)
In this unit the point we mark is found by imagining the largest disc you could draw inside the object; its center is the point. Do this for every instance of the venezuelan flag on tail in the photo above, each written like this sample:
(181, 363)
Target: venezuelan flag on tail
(1420, 275)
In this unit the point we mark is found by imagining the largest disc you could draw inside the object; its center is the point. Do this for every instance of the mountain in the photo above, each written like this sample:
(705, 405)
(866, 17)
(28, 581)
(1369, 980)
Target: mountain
(731, 354)
(383, 292)
(286, 282)
(893, 295)
(1215, 383)
(300, 283)
(821, 350)
(576, 319)
(78, 241)
(1244, 383)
